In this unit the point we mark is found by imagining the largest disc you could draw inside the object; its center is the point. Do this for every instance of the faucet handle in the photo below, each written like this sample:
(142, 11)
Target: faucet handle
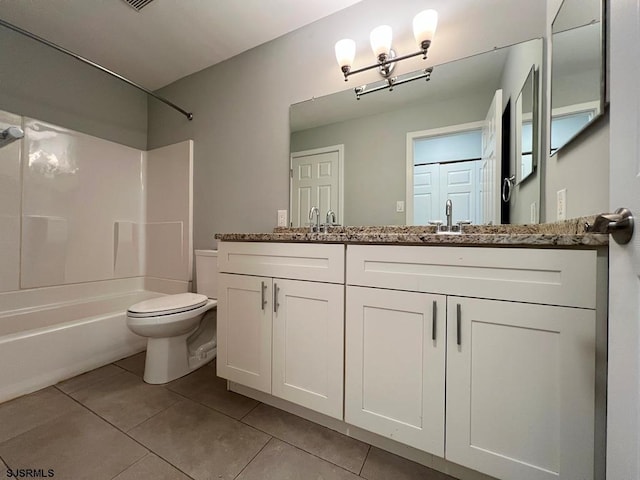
(435, 222)
(461, 223)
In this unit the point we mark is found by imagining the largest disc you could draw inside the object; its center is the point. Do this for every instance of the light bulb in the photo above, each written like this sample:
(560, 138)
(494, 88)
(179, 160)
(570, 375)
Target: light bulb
(381, 40)
(424, 26)
(345, 52)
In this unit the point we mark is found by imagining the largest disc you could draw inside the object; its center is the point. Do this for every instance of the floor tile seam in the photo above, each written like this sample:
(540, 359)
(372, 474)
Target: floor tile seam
(210, 407)
(87, 409)
(79, 402)
(150, 452)
(48, 420)
(91, 383)
(132, 465)
(146, 419)
(254, 457)
(364, 461)
(311, 453)
(127, 370)
(148, 449)
(200, 404)
(249, 413)
(103, 380)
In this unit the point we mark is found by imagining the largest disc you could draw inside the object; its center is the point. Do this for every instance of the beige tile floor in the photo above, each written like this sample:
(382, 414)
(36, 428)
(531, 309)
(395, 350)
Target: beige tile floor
(109, 424)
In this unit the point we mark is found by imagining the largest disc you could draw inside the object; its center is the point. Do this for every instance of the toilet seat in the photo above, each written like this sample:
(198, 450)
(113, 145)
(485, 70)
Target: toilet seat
(167, 305)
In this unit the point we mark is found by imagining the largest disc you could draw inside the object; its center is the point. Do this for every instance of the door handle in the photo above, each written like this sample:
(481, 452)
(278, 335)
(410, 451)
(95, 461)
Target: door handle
(263, 291)
(507, 187)
(276, 289)
(619, 224)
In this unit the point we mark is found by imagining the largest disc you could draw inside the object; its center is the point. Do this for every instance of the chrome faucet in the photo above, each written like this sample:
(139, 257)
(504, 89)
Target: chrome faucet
(331, 218)
(316, 211)
(449, 213)
(330, 221)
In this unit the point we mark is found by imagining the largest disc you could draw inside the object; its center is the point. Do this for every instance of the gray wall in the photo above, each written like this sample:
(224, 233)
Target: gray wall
(40, 82)
(375, 153)
(241, 123)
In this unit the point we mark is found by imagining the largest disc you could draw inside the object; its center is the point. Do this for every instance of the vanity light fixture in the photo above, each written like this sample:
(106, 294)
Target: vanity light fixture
(424, 28)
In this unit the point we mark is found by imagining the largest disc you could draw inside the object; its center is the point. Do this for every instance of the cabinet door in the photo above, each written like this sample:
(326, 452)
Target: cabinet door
(520, 389)
(395, 365)
(308, 344)
(244, 330)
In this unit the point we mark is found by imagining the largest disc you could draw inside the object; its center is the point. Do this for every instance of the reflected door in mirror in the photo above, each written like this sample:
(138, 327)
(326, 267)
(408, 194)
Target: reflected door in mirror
(316, 181)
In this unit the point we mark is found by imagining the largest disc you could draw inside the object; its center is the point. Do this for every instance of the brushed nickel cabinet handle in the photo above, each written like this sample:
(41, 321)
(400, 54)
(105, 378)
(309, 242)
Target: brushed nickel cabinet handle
(458, 325)
(263, 291)
(433, 320)
(276, 289)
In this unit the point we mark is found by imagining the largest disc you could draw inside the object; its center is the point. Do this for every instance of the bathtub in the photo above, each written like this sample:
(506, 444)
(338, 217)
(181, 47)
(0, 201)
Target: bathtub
(50, 334)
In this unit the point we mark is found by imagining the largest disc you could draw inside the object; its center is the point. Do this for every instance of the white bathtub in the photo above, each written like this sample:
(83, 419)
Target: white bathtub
(50, 334)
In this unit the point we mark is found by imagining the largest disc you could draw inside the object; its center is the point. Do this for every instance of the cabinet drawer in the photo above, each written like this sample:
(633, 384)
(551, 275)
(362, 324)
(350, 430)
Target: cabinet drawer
(298, 261)
(554, 277)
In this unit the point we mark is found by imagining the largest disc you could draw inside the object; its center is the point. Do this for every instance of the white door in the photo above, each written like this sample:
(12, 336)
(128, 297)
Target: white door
(520, 389)
(426, 194)
(316, 181)
(459, 184)
(308, 344)
(623, 401)
(395, 365)
(491, 161)
(244, 330)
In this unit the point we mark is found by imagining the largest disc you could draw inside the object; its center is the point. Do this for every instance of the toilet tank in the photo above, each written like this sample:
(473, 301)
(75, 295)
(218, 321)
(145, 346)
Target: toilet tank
(207, 272)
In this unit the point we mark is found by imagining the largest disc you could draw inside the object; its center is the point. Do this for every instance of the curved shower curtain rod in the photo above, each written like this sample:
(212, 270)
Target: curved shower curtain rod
(26, 33)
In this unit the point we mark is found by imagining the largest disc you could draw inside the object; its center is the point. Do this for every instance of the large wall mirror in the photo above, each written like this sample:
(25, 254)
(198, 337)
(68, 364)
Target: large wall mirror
(362, 158)
(577, 69)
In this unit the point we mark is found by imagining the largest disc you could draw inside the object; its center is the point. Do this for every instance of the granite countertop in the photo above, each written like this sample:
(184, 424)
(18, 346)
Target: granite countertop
(569, 233)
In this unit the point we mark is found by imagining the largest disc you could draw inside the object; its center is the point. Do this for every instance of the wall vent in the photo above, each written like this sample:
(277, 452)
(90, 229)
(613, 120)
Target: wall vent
(137, 5)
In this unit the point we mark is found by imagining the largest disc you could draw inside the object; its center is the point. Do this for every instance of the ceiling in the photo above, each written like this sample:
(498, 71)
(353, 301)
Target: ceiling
(167, 39)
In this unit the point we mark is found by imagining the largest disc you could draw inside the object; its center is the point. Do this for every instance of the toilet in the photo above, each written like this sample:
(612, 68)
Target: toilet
(181, 328)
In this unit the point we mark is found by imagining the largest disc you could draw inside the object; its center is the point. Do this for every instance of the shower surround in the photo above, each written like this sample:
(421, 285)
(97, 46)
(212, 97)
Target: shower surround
(84, 219)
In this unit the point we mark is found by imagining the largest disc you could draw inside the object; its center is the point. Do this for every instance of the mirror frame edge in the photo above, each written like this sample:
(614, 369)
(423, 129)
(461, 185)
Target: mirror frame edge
(604, 73)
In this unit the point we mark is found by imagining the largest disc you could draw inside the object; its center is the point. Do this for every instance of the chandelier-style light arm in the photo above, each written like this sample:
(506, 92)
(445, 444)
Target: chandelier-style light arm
(387, 61)
(392, 82)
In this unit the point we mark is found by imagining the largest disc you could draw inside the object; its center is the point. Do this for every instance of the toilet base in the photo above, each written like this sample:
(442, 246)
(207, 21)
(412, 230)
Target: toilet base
(174, 357)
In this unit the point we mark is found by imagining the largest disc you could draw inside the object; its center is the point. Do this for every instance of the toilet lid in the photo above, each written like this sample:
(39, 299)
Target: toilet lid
(168, 304)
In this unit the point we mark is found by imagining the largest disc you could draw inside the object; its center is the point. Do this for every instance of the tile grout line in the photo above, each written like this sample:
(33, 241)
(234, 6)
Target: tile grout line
(6, 465)
(130, 466)
(271, 437)
(182, 395)
(129, 436)
(249, 412)
(311, 453)
(364, 461)
(95, 382)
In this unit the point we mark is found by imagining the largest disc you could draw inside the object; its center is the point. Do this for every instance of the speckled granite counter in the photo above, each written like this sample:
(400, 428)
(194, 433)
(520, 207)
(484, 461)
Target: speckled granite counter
(570, 233)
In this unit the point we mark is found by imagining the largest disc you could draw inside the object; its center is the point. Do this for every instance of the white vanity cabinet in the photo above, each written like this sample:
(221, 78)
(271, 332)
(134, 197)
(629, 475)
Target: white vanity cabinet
(281, 321)
(395, 365)
(245, 330)
(520, 355)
